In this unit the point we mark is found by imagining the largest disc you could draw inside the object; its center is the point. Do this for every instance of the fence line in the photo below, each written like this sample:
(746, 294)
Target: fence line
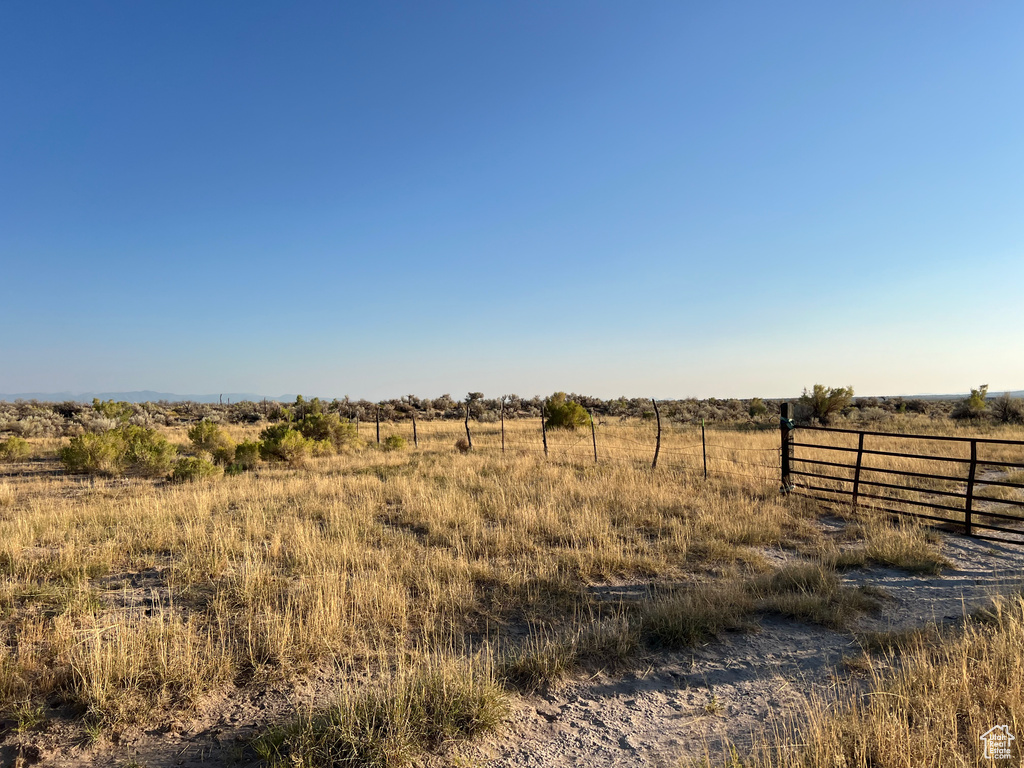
(710, 454)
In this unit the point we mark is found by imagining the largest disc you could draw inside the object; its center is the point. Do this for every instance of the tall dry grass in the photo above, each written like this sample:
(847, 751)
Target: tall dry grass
(129, 597)
(926, 706)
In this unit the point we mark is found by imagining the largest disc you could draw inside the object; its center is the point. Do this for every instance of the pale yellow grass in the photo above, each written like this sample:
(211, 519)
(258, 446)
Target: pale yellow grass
(154, 593)
(130, 597)
(928, 710)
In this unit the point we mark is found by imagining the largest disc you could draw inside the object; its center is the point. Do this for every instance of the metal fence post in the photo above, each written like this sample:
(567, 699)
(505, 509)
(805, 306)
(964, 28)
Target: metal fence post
(969, 501)
(657, 445)
(704, 449)
(786, 427)
(544, 430)
(593, 435)
(856, 471)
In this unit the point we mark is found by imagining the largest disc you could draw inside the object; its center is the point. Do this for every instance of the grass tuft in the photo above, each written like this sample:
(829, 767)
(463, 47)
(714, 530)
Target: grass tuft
(812, 592)
(394, 722)
(695, 615)
(543, 661)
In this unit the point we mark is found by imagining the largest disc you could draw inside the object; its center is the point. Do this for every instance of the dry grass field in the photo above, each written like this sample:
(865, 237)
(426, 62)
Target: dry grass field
(396, 603)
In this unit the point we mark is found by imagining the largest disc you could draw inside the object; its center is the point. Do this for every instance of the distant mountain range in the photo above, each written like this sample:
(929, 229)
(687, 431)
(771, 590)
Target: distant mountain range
(991, 394)
(150, 396)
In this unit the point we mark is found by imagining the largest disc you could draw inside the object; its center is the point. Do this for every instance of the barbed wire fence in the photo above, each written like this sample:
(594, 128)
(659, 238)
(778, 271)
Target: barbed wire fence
(745, 452)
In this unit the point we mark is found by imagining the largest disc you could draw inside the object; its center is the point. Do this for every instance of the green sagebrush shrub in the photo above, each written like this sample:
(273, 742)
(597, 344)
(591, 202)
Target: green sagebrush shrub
(757, 408)
(208, 437)
(328, 427)
(394, 443)
(124, 450)
(192, 468)
(564, 414)
(111, 409)
(825, 403)
(974, 406)
(282, 443)
(247, 456)
(14, 449)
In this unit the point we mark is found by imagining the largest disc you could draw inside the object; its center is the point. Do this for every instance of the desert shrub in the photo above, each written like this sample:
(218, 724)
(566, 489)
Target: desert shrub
(93, 454)
(111, 409)
(394, 443)
(873, 414)
(14, 449)
(127, 449)
(1008, 410)
(192, 468)
(99, 424)
(462, 445)
(974, 406)
(564, 414)
(826, 402)
(757, 408)
(282, 443)
(321, 448)
(147, 451)
(208, 437)
(328, 427)
(917, 405)
(247, 455)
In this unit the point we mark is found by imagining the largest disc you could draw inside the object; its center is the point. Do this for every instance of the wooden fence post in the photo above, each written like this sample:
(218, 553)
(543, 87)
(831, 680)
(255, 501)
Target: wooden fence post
(593, 435)
(469, 437)
(378, 424)
(544, 430)
(415, 439)
(969, 501)
(503, 425)
(704, 449)
(856, 471)
(657, 445)
(786, 425)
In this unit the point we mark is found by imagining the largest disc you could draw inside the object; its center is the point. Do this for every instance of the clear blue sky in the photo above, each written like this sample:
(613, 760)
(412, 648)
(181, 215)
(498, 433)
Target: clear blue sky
(641, 198)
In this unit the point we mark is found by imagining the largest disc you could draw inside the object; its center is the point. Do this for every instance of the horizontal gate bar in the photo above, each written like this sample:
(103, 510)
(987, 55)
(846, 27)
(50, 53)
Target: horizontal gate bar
(825, 447)
(899, 455)
(908, 473)
(825, 463)
(1001, 463)
(917, 456)
(1010, 502)
(911, 501)
(955, 494)
(992, 440)
(997, 515)
(823, 477)
(1002, 483)
(876, 508)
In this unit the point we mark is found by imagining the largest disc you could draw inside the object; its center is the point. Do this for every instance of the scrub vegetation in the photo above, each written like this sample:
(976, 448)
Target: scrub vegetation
(148, 568)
